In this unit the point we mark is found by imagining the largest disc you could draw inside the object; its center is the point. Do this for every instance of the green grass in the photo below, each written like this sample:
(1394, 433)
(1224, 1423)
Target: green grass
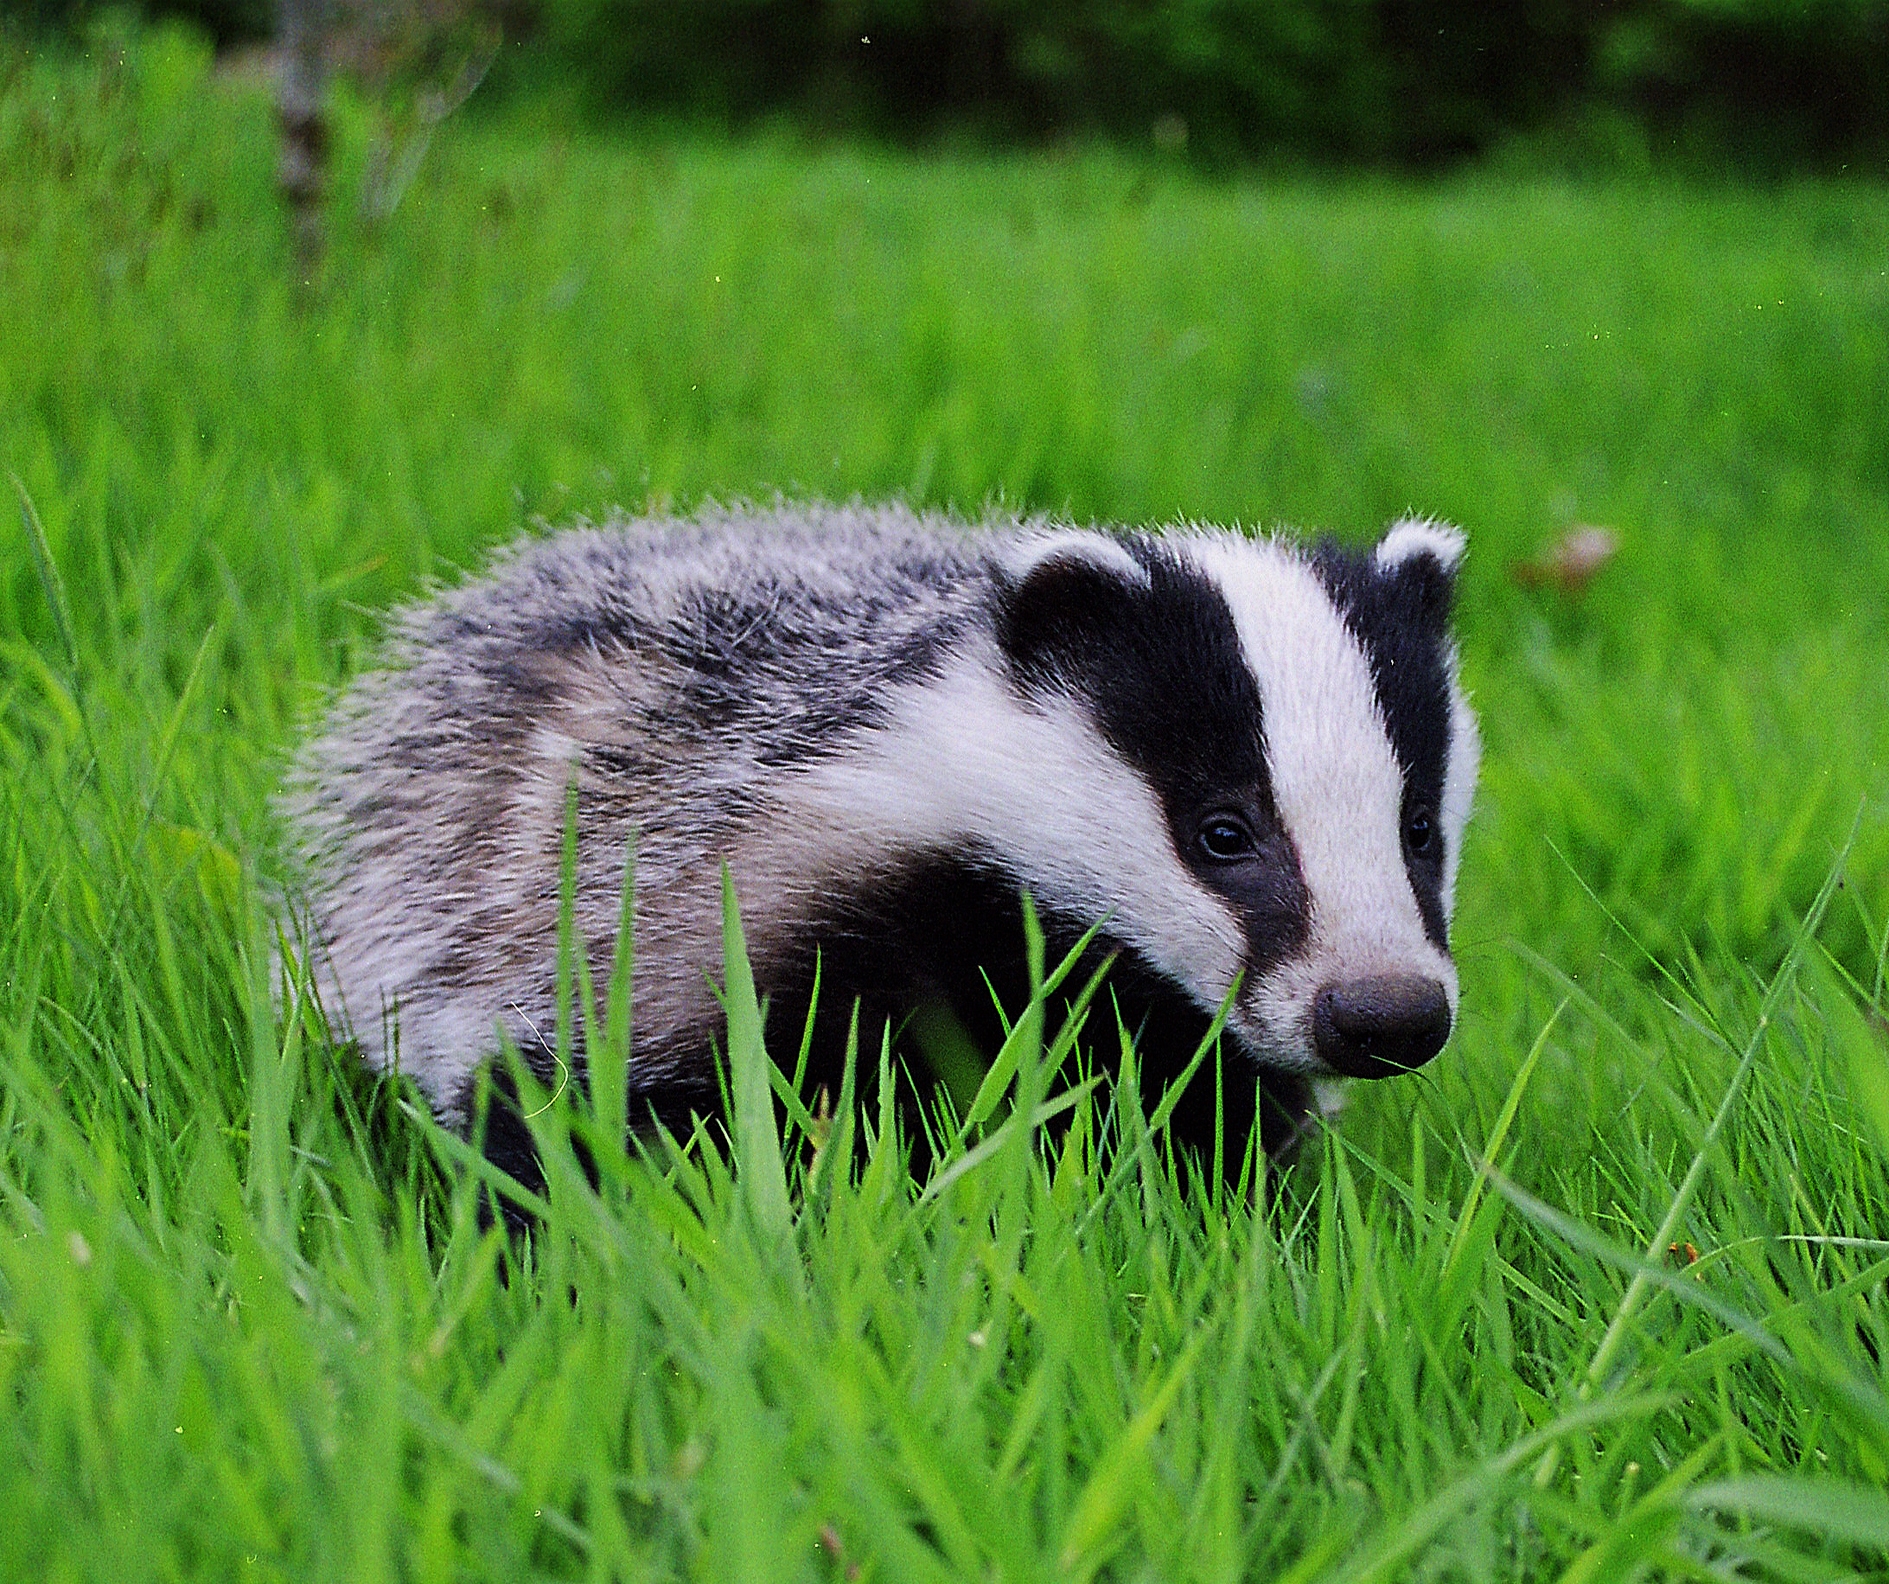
(249, 1324)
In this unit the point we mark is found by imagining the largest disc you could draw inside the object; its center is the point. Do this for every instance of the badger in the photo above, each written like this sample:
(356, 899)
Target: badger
(1241, 766)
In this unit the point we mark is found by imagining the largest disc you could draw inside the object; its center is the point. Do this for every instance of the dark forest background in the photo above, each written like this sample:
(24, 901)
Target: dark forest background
(1760, 85)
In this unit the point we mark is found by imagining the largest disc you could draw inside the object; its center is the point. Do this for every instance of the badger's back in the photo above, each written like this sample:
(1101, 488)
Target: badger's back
(677, 669)
(887, 724)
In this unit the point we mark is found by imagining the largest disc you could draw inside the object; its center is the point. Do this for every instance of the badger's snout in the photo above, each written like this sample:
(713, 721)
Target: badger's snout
(1381, 1025)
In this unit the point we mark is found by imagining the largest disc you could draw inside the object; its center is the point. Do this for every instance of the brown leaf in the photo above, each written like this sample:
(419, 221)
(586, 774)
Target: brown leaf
(1571, 562)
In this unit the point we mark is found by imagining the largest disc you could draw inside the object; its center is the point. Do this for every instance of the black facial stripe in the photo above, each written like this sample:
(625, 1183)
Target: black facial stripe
(1160, 667)
(1398, 617)
(1273, 904)
(1164, 676)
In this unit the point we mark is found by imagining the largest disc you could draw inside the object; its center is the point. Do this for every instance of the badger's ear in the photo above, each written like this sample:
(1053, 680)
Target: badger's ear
(1421, 558)
(1071, 552)
(1057, 592)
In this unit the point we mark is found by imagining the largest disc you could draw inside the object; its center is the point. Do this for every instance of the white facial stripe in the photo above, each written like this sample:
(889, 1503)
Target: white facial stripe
(964, 760)
(1335, 781)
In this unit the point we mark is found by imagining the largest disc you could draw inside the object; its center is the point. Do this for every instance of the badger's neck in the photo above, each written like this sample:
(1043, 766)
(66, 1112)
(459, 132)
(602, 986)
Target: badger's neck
(963, 770)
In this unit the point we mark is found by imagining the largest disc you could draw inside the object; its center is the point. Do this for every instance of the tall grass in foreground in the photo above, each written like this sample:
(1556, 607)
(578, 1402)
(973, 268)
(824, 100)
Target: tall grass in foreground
(251, 1324)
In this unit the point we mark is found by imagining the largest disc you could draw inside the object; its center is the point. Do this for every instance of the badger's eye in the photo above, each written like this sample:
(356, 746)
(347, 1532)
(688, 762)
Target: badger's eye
(1226, 838)
(1420, 832)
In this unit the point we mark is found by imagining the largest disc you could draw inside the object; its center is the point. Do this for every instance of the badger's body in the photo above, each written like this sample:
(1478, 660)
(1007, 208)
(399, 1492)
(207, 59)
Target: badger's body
(1241, 758)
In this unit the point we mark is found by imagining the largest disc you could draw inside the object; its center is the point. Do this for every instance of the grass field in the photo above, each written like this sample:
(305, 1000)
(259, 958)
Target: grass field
(249, 1324)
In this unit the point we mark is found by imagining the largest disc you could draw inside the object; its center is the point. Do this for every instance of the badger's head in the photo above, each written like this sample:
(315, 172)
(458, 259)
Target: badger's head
(1286, 731)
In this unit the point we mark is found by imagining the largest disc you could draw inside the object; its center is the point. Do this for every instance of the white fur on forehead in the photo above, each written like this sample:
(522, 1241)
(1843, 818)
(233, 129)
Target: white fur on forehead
(1051, 546)
(1415, 536)
(1335, 781)
(1459, 780)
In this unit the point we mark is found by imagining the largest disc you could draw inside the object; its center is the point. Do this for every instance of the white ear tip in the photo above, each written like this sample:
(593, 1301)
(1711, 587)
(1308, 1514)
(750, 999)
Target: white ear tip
(1074, 545)
(1415, 536)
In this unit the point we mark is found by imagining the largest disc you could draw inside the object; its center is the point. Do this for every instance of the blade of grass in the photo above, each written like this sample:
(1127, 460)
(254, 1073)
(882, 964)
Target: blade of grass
(1129, 1160)
(1837, 1509)
(50, 581)
(568, 947)
(761, 1171)
(1384, 1558)
(1640, 1283)
(1099, 1505)
(610, 1065)
(1498, 1135)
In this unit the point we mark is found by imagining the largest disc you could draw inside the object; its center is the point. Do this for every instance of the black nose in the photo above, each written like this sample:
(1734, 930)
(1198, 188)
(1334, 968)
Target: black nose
(1389, 1023)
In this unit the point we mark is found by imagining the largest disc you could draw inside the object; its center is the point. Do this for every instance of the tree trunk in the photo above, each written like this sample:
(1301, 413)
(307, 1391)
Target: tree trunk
(304, 122)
